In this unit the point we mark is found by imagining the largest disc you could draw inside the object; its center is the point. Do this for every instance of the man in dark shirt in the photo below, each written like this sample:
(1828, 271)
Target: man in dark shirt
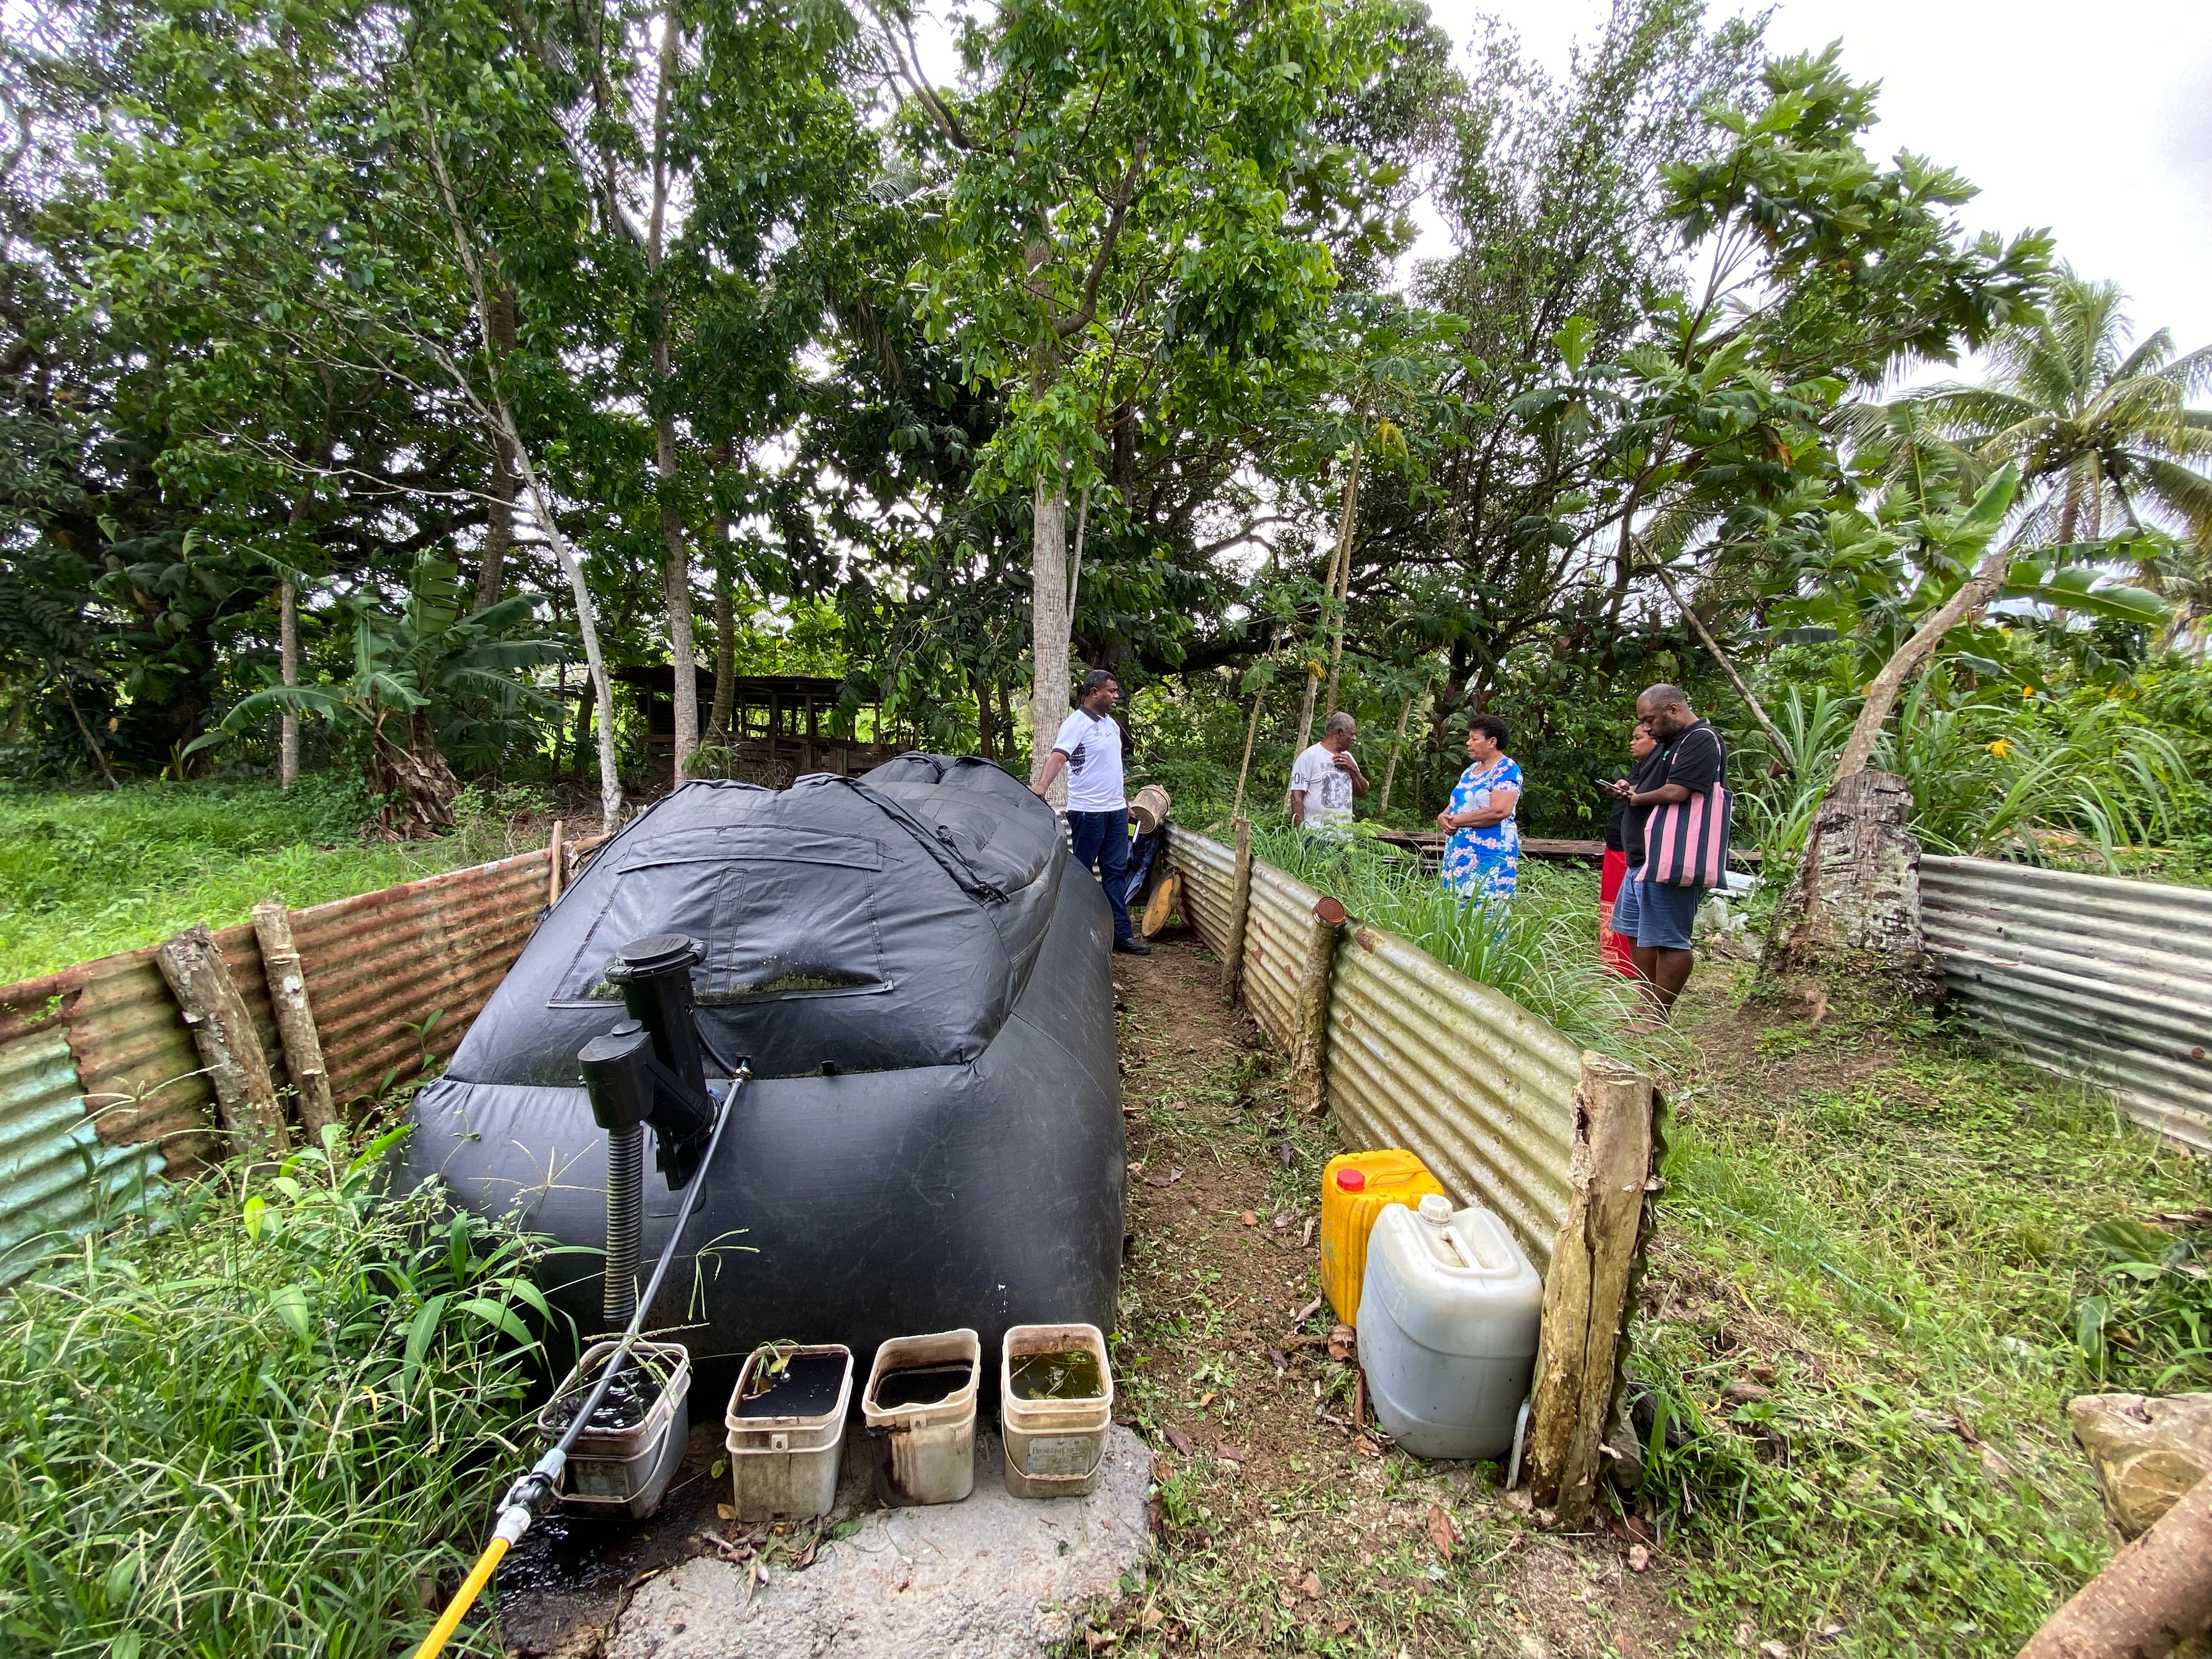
(1655, 909)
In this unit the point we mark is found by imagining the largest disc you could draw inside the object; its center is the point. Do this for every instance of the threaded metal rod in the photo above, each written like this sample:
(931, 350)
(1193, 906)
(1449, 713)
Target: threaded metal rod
(625, 1221)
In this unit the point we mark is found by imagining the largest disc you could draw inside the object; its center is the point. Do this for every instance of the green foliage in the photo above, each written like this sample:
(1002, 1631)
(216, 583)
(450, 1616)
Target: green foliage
(83, 874)
(1542, 950)
(1880, 1254)
(251, 1418)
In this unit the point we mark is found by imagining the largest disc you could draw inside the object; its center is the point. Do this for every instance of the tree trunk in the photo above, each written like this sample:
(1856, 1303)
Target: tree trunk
(288, 671)
(1855, 898)
(986, 743)
(1048, 703)
(499, 518)
(726, 652)
(1251, 731)
(1698, 626)
(676, 574)
(1390, 771)
(2152, 1596)
(1342, 584)
(84, 730)
(498, 414)
(415, 786)
(1910, 657)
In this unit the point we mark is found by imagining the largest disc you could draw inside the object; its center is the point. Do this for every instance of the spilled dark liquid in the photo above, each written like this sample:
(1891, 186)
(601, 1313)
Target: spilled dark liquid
(924, 1385)
(807, 1386)
(1062, 1374)
(629, 1398)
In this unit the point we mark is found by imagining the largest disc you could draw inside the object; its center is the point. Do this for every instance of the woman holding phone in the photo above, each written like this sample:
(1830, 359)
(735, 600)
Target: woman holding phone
(1615, 949)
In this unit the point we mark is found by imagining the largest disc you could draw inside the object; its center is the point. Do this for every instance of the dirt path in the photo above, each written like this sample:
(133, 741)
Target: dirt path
(1281, 1528)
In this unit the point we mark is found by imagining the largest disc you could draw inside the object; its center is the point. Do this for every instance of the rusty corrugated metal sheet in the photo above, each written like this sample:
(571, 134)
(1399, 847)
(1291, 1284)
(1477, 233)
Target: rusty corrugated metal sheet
(57, 1174)
(2095, 977)
(1279, 930)
(379, 965)
(1421, 1057)
(1207, 869)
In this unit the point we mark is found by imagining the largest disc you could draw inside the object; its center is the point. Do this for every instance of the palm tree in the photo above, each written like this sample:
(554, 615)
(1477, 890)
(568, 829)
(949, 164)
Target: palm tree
(2103, 436)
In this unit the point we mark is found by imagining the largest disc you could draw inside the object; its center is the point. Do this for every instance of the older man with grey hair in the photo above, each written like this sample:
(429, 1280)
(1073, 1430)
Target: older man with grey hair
(1325, 780)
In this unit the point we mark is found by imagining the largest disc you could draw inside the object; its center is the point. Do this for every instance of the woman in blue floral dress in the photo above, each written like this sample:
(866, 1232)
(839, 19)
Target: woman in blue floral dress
(1482, 859)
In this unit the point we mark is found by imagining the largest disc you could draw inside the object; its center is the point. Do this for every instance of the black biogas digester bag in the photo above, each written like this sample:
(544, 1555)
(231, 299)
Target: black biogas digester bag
(920, 981)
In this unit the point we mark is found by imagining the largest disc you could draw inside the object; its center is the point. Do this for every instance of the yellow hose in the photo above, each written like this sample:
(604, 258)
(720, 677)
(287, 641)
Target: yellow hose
(464, 1598)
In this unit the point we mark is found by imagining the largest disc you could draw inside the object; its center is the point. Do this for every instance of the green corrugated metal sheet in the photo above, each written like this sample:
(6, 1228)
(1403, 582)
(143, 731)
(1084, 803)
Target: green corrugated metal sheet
(57, 1174)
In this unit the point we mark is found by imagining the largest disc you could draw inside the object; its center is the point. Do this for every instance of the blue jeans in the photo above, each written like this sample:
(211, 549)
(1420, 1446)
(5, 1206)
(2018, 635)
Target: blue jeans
(1101, 842)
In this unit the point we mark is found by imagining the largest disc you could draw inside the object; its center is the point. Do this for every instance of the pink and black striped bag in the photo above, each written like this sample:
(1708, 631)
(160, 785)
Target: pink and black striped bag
(1685, 843)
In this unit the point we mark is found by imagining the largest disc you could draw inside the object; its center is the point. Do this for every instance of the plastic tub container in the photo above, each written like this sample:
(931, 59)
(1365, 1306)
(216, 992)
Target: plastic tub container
(925, 1444)
(1449, 1340)
(784, 1461)
(1354, 1189)
(1055, 1444)
(626, 1472)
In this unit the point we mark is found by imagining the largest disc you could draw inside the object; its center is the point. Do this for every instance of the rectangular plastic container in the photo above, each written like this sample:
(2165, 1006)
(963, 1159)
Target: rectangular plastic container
(1354, 1188)
(926, 1453)
(626, 1472)
(786, 1465)
(1054, 1448)
(1449, 1340)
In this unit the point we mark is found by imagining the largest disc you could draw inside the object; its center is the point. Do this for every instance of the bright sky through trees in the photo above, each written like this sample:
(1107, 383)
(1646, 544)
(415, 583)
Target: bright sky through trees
(2100, 130)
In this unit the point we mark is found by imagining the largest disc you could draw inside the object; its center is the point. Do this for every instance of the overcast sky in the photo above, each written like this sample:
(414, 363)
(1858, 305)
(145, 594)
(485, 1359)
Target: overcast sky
(2093, 121)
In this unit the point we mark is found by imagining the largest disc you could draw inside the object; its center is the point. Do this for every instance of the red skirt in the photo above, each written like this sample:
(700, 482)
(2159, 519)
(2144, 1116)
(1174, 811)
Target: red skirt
(1612, 947)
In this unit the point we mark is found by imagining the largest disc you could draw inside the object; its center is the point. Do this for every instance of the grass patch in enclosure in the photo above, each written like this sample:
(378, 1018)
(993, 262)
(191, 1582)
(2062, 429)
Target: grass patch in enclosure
(86, 873)
(258, 1418)
(1541, 949)
(1884, 1264)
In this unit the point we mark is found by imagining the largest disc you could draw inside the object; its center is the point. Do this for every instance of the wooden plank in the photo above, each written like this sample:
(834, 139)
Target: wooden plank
(1586, 1292)
(223, 1031)
(1309, 1023)
(1240, 908)
(295, 1019)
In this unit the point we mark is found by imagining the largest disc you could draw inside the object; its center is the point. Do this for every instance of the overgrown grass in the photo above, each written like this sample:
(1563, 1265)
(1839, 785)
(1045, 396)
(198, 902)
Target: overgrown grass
(250, 1420)
(83, 873)
(1883, 1266)
(1541, 949)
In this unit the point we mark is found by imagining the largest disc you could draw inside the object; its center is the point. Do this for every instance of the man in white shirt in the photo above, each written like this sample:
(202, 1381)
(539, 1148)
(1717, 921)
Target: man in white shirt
(1089, 746)
(1325, 780)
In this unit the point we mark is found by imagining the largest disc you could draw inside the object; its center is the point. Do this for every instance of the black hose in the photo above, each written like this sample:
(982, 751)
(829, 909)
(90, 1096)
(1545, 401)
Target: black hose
(625, 1221)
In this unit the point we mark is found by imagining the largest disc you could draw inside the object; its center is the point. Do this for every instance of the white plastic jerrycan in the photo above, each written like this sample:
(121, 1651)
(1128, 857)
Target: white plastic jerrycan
(1448, 1328)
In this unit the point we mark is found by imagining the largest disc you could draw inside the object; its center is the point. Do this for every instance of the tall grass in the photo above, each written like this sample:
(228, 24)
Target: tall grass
(1541, 949)
(89, 872)
(250, 1420)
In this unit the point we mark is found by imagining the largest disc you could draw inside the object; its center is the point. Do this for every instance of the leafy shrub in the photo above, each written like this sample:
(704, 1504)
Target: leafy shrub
(251, 1419)
(1542, 950)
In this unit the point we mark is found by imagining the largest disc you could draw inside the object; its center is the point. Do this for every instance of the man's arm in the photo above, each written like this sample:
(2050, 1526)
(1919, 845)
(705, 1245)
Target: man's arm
(1359, 785)
(1053, 763)
(1298, 807)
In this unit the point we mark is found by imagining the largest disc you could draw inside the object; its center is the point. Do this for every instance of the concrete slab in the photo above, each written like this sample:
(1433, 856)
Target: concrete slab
(991, 1578)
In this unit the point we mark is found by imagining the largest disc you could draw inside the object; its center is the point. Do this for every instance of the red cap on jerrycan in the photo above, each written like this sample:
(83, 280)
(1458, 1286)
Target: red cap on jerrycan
(1351, 1180)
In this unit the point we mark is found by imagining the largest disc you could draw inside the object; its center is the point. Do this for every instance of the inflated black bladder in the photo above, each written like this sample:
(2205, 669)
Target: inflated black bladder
(921, 983)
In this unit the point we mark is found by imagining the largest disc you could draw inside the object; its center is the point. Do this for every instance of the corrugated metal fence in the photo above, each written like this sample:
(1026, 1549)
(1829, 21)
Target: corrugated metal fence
(101, 1086)
(2093, 976)
(1416, 1055)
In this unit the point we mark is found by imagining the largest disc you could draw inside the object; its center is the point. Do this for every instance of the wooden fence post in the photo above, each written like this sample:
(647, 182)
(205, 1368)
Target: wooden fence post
(557, 876)
(223, 1031)
(1586, 1292)
(1311, 1025)
(295, 1018)
(1240, 910)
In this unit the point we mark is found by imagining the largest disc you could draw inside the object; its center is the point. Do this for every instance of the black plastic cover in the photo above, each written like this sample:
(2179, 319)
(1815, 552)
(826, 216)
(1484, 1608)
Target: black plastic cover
(923, 932)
